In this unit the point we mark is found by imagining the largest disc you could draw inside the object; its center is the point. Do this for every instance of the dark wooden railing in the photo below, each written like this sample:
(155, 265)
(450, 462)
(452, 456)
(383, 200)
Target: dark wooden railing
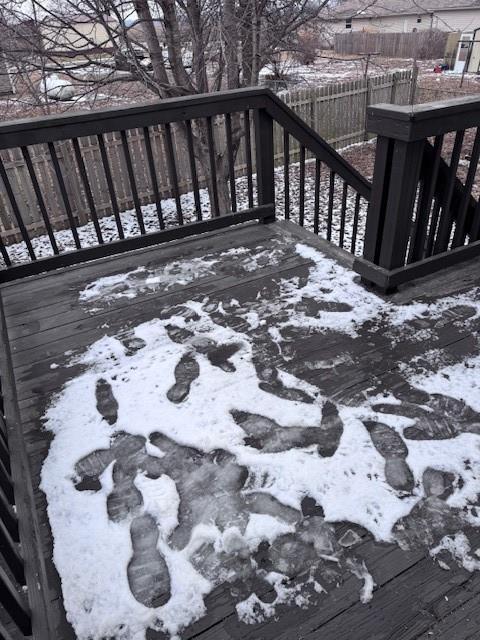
(422, 216)
(338, 192)
(252, 112)
(15, 620)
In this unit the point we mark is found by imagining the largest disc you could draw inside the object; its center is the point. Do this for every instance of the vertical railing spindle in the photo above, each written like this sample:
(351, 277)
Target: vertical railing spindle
(301, 204)
(133, 184)
(64, 194)
(248, 157)
(316, 205)
(213, 168)
(172, 170)
(331, 193)
(446, 218)
(110, 187)
(87, 188)
(40, 200)
(16, 211)
(231, 163)
(353, 246)
(193, 170)
(286, 172)
(343, 214)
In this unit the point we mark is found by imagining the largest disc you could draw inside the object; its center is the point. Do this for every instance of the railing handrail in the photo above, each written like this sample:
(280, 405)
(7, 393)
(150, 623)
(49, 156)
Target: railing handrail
(307, 136)
(53, 128)
(410, 123)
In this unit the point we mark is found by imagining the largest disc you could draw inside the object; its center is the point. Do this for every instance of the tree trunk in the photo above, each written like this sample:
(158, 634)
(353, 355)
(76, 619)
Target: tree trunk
(201, 150)
(153, 45)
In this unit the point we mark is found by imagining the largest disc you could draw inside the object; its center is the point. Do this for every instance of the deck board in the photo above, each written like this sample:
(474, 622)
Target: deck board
(414, 598)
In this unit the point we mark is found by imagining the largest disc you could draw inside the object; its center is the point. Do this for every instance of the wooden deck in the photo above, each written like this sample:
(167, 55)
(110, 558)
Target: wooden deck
(415, 598)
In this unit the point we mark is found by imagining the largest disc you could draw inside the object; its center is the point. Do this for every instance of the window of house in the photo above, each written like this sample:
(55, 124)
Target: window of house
(419, 20)
(348, 23)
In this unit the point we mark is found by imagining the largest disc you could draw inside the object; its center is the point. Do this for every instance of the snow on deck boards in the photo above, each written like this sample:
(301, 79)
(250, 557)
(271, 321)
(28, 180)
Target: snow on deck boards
(236, 440)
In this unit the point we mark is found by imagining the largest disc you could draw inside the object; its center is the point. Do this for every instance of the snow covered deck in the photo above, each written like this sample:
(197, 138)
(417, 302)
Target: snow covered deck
(234, 439)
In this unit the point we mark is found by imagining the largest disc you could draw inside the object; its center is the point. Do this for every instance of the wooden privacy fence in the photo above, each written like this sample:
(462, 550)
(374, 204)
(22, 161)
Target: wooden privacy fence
(337, 112)
(424, 45)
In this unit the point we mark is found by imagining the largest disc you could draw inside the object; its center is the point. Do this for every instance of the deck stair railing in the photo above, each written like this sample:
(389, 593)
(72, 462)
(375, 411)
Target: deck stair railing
(15, 620)
(422, 215)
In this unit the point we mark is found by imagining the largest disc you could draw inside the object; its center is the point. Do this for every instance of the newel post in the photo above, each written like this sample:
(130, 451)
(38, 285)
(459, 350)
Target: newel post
(264, 154)
(398, 162)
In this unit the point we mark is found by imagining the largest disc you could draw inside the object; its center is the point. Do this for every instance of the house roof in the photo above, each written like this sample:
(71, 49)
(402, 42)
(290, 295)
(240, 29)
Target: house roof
(377, 8)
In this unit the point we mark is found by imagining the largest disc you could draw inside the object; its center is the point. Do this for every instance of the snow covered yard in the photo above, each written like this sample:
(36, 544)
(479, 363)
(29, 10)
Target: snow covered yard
(259, 421)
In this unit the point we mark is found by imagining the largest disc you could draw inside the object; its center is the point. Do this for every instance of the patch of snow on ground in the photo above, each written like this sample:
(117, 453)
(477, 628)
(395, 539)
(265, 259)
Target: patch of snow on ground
(215, 497)
(461, 381)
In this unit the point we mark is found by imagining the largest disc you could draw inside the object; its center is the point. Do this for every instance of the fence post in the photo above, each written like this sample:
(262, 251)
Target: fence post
(264, 153)
(393, 93)
(368, 97)
(413, 86)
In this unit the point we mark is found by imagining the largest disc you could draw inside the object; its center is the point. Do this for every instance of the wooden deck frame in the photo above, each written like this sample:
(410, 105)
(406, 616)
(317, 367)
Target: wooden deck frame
(397, 570)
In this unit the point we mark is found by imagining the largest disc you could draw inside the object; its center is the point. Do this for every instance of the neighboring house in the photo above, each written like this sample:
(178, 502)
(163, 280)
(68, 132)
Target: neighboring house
(397, 16)
(6, 86)
(78, 35)
(461, 18)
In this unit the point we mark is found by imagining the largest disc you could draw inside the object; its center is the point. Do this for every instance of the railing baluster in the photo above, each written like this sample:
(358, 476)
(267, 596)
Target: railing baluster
(193, 170)
(10, 552)
(343, 214)
(110, 186)
(6, 483)
(14, 603)
(3, 427)
(153, 176)
(213, 168)
(353, 246)
(8, 516)
(87, 188)
(419, 237)
(133, 184)
(231, 163)
(301, 205)
(331, 192)
(4, 455)
(3, 251)
(16, 211)
(474, 234)
(433, 227)
(248, 157)
(40, 200)
(460, 234)
(286, 172)
(172, 170)
(63, 192)
(446, 218)
(316, 206)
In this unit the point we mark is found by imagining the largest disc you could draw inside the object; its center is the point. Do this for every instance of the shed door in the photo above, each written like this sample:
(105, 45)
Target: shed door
(462, 52)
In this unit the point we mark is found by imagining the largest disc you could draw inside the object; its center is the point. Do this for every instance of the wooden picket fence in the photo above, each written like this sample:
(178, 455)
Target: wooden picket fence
(424, 45)
(336, 111)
